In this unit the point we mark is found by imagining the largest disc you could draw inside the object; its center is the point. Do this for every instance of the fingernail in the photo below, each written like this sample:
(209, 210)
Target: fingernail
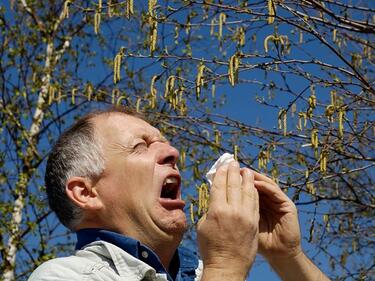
(234, 164)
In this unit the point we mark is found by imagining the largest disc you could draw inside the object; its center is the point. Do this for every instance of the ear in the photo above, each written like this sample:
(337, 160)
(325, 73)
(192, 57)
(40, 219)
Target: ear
(82, 193)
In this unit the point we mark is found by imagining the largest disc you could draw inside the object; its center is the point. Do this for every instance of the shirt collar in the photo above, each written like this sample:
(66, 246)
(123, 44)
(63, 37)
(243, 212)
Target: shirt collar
(131, 246)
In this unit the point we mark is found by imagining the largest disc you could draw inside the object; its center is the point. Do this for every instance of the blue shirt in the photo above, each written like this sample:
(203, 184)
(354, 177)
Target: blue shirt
(181, 268)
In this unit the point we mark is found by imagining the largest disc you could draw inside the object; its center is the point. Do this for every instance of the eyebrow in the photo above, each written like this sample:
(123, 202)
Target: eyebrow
(128, 145)
(158, 136)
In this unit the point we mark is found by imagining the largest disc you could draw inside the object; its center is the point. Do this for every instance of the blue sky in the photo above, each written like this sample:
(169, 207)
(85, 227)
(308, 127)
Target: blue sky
(240, 103)
(253, 113)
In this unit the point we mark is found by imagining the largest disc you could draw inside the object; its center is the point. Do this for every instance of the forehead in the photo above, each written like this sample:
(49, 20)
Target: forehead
(122, 127)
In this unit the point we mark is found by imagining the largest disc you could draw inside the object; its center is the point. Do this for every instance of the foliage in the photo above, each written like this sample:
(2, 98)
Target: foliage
(306, 64)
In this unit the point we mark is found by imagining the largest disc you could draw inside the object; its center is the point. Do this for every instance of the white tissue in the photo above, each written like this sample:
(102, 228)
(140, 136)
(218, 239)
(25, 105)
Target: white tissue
(224, 159)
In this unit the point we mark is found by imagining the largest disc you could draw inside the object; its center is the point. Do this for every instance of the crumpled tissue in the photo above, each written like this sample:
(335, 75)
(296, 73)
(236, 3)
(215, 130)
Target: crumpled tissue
(224, 159)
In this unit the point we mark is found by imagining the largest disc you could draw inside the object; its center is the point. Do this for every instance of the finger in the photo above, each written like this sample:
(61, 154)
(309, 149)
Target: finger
(250, 194)
(234, 191)
(267, 205)
(261, 177)
(273, 192)
(218, 194)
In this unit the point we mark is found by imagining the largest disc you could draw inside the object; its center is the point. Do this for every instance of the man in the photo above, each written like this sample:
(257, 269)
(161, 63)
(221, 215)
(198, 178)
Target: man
(113, 179)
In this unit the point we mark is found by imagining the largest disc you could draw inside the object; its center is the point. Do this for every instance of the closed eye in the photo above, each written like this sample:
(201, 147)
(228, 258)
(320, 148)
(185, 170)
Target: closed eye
(140, 146)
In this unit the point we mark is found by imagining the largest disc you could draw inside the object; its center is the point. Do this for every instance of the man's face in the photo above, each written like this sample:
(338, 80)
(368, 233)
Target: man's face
(140, 185)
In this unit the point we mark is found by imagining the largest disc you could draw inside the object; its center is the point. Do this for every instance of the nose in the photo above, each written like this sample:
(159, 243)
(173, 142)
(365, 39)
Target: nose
(167, 155)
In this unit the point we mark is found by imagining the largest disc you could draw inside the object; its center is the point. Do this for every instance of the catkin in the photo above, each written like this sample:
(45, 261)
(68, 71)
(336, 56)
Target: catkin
(213, 89)
(66, 9)
(217, 138)
(138, 105)
(310, 187)
(74, 90)
(282, 120)
(152, 85)
(192, 213)
(120, 99)
(97, 17)
(181, 101)
(89, 91)
(307, 173)
(199, 200)
(283, 39)
(199, 80)
(222, 19)
(169, 86)
(129, 8)
(356, 60)
(235, 152)
(59, 95)
(299, 126)
(153, 35)
(334, 35)
(117, 66)
(233, 66)
(212, 28)
(341, 122)
(330, 110)
(183, 107)
(182, 159)
(261, 162)
(265, 43)
(323, 161)
(51, 94)
(314, 138)
(203, 198)
(176, 34)
(271, 11)
(206, 197)
(241, 36)
(312, 101)
(153, 25)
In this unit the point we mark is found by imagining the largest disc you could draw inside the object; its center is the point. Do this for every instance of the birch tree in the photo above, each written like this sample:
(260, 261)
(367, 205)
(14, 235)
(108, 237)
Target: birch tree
(304, 69)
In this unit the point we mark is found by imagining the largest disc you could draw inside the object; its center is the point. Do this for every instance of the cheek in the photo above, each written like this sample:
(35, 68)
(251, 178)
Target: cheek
(139, 173)
(129, 182)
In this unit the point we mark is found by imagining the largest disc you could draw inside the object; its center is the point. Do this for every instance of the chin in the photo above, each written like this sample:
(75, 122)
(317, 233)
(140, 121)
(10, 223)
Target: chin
(174, 223)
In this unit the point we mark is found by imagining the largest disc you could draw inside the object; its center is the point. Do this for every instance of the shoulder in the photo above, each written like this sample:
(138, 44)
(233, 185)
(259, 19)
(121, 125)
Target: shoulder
(67, 268)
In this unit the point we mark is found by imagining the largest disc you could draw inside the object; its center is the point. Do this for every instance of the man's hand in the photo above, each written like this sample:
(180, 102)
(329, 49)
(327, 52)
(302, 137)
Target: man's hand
(228, 232)
(279, 233)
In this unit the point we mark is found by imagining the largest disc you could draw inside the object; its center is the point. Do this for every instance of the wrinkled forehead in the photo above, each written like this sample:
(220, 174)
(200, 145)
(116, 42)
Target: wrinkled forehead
(119, 127)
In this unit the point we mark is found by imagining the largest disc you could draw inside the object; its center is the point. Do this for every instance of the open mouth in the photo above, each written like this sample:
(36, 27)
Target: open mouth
(170, 195)
(170, 188)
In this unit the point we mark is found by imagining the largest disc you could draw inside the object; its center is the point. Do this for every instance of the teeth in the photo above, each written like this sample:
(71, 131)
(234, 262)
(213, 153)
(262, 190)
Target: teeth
(170, 180)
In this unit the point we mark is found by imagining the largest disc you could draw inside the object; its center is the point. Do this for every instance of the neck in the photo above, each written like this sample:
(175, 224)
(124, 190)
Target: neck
(164, 247)
(165, 255)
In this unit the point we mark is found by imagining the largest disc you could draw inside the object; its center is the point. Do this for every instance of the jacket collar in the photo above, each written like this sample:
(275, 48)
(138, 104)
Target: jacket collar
(183, 263)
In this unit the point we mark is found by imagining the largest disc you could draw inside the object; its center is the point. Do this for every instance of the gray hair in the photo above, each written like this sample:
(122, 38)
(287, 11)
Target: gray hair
(77, 152)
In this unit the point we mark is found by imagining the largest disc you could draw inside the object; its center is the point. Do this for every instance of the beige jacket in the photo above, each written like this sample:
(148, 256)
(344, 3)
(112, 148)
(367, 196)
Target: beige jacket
(102, 261)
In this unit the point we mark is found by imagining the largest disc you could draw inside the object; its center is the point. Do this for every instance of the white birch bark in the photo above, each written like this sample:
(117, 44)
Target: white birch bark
(52, 58)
